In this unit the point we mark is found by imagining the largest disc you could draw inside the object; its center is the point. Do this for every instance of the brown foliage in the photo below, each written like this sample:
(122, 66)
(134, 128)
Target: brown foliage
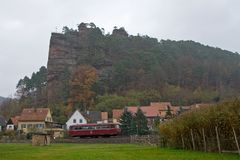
(81, 82)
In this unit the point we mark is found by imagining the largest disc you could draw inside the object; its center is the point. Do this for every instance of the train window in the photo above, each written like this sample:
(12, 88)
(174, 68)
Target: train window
(104, 126)
(84, 127)
(98, 127)
(91, 127)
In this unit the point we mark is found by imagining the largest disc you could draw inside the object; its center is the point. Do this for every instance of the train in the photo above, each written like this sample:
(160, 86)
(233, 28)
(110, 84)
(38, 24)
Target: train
(94, 130)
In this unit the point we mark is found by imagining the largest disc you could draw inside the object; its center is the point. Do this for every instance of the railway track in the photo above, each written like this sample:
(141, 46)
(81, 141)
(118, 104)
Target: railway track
(110, 140)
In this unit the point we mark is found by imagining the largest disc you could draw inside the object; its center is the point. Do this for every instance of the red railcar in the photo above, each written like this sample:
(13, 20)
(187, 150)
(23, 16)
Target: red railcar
(94, 130)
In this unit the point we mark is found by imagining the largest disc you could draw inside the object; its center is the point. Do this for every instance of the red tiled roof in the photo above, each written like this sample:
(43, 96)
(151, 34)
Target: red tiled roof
(153, 110)
(149, 111)
(161, 105)
(34, 114)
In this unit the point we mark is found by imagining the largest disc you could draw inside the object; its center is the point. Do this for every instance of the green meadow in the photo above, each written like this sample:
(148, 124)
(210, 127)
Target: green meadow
(102, 152)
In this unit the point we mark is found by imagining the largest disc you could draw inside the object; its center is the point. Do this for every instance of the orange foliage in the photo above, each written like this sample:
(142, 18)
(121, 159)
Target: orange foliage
(81, 82)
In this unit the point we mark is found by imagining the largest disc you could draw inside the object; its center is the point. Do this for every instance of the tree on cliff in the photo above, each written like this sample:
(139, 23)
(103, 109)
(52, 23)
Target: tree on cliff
(81, 95)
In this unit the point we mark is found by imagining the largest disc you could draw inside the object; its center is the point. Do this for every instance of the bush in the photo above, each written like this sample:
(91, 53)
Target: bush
(225, 117)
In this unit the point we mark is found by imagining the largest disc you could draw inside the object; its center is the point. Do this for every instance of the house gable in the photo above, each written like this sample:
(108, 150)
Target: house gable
(76, 118)
(48, 117)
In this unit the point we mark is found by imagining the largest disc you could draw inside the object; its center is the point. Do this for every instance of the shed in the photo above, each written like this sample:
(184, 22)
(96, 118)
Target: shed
(40, 139)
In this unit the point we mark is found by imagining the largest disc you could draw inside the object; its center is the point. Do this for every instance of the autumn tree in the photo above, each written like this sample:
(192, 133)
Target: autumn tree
(81, 95)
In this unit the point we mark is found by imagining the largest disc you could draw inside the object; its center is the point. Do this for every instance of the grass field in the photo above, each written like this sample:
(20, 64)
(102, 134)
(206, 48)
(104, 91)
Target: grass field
(102, 152)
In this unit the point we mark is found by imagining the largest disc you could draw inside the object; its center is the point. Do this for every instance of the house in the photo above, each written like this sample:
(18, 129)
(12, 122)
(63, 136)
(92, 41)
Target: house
(87, 117)
(12, 123)
(92, 116)
(3, 123)
(76, 118)
(34, 119)
(180, 109)
(162, 108)
(156, 110)
(95, 116)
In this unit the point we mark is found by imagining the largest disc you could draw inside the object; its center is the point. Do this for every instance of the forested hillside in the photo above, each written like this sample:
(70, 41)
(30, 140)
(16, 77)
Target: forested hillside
(118, 69)
(180, 71)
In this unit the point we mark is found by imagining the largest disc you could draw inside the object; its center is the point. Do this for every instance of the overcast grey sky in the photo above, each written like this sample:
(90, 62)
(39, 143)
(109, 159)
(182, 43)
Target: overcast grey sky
(26, 26)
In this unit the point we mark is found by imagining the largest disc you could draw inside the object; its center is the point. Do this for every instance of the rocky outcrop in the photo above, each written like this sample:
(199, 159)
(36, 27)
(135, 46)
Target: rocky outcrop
(60, 58)
(69, 49)
(120, 32)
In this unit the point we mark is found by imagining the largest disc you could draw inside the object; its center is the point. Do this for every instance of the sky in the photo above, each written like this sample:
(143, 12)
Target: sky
(26, 26)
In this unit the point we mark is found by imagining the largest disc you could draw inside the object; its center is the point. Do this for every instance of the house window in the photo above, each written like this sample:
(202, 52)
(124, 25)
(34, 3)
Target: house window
(80, 121)
(39, 125)
(74, 120)
(29, 126)
(49, 119)
(23, 125)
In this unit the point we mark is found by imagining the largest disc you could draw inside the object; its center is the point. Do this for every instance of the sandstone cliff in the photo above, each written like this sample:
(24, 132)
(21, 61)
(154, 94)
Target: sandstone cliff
(66, 51)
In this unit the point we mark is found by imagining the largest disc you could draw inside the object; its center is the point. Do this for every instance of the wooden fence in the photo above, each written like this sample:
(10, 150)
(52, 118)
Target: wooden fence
(195, 140)
(205, 140)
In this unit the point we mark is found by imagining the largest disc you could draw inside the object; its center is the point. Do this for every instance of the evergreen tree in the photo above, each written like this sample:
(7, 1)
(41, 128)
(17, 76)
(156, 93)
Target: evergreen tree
(141, 123)
(168, 112)
(133, 127)
(126, 121)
